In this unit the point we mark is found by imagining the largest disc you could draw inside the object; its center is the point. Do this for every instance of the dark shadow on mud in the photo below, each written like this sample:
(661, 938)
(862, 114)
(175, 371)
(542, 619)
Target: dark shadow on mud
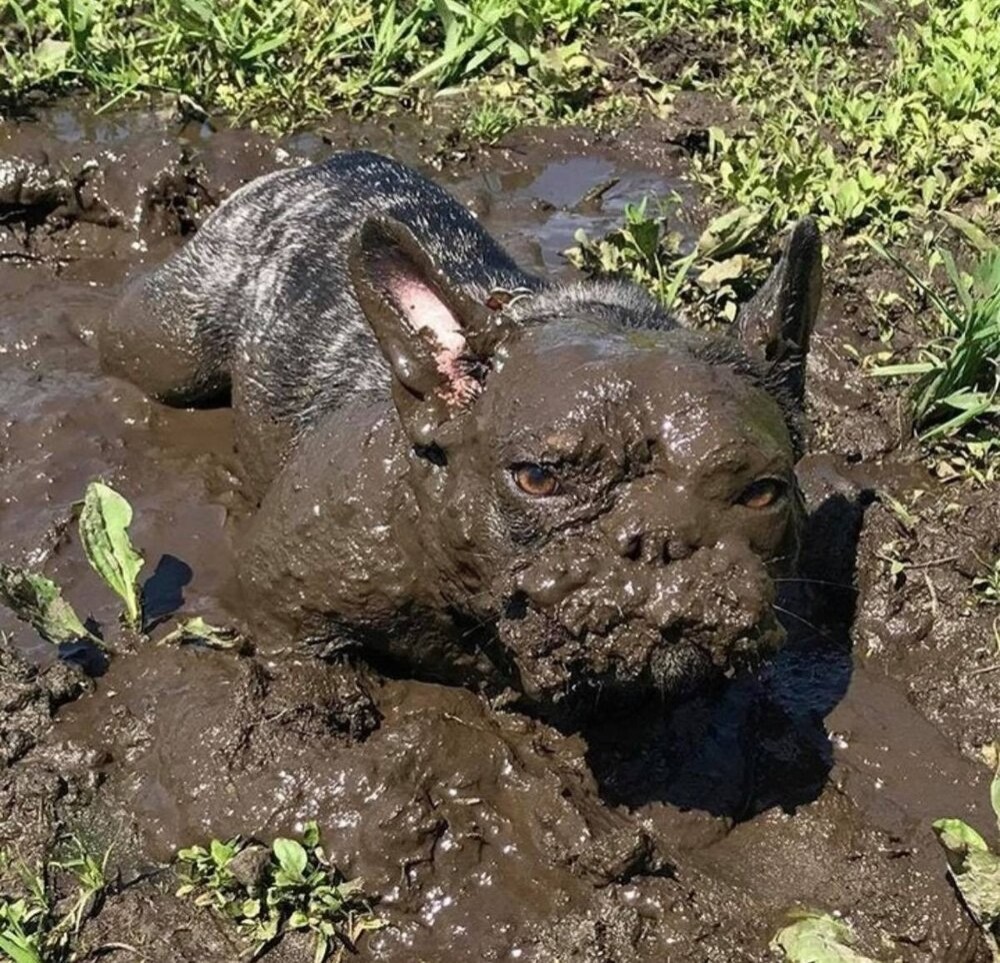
(759, 740)
(163, 591)
(85, 655)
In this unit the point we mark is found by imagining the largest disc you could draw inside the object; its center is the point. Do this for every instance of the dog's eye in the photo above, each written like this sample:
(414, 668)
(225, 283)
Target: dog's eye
(763, 493)
(535, 480)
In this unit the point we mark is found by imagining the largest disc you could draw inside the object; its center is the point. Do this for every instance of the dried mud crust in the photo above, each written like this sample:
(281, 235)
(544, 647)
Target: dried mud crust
(681, 837)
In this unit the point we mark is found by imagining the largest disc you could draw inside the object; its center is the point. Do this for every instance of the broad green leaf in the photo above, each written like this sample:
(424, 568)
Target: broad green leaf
(52, 55)
(36, 599)
(956, 835)
(817, 938)
(297, 920)
(291, 857)
(104, 523)
(718, 272)
(197, 630)
(975, 870)
(974, 234)
(730, 231)
(222, 853)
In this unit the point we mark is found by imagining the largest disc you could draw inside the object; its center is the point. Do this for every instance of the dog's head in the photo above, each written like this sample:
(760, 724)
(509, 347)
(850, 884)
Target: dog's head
(613, 492)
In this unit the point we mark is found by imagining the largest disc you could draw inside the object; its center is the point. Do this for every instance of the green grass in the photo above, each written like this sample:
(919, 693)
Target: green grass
(957, 376)
(289, 887)
(830, 127)
(858, 136)
(34, 926)
(287, 60)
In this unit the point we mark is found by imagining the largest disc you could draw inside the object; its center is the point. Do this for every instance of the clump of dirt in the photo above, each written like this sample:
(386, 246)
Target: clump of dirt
(41, 778)
(683, 833)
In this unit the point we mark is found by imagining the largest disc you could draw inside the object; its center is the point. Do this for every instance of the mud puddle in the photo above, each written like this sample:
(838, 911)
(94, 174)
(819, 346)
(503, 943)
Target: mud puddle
(681, 835)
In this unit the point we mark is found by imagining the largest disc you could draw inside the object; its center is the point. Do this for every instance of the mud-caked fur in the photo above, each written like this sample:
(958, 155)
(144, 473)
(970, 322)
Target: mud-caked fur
(399, 384)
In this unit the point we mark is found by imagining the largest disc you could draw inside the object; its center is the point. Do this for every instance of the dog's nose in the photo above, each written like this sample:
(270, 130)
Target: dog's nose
(652, 546)
(657, 521)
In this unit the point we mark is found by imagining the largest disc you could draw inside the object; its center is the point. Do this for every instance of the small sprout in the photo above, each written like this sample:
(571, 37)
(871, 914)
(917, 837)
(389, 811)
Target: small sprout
(292, 860)
(987, 585)
(199, 632)
(104, 523)
(38, 600)
(814, 937)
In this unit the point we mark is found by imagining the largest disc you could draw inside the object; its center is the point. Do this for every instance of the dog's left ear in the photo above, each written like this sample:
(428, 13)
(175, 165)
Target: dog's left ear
(776, 323)
(437, 340)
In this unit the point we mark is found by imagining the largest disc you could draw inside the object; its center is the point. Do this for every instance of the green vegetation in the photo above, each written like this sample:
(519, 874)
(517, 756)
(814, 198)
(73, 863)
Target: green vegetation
(105, 517)
(827, 123)
(987, 586)
(856, 136)
(104, 523)
(286, 60)
(975, 869)
(721, 270)
(38, 600)
(957, 377)
(32, 928)
(289, 887)
(812, 937)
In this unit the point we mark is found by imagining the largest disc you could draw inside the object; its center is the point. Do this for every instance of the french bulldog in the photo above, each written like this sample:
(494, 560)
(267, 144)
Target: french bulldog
(468, 473)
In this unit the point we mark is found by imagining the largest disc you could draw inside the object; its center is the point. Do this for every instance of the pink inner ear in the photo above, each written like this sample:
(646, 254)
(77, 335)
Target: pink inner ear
(425, 311)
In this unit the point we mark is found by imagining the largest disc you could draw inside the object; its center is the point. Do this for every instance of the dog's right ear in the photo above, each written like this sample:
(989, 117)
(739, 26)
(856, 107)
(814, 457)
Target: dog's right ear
(776, 323)
(433, 335)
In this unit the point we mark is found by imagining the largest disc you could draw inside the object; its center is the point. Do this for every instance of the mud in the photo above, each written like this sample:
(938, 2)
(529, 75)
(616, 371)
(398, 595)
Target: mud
(683, 835)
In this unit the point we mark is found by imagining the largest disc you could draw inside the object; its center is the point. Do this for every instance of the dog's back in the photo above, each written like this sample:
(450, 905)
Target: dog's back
(259, 301)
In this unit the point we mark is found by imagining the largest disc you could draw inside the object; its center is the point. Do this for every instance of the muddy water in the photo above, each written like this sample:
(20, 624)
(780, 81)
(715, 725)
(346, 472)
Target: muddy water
(669, 835)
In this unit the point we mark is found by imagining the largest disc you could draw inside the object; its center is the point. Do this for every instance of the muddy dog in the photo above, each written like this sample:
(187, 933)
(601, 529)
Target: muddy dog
(470, 474)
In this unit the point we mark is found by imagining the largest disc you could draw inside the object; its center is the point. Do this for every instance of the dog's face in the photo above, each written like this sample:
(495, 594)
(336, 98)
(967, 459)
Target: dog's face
(616, 500)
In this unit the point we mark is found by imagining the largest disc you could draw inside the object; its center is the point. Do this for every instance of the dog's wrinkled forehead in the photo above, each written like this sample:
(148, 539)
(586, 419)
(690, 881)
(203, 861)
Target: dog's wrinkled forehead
(565, 391)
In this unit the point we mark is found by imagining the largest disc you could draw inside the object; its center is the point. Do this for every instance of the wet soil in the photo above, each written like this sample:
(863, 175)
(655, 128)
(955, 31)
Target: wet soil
(677, 833)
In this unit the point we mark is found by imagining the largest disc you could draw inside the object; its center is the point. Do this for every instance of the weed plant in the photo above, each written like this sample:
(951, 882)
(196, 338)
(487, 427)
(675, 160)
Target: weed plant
(35, 927)
(957, 375)
(855, 136)
(290, 887)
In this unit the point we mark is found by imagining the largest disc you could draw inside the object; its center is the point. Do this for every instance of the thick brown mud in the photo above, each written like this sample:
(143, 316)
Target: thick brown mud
(683, 834)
